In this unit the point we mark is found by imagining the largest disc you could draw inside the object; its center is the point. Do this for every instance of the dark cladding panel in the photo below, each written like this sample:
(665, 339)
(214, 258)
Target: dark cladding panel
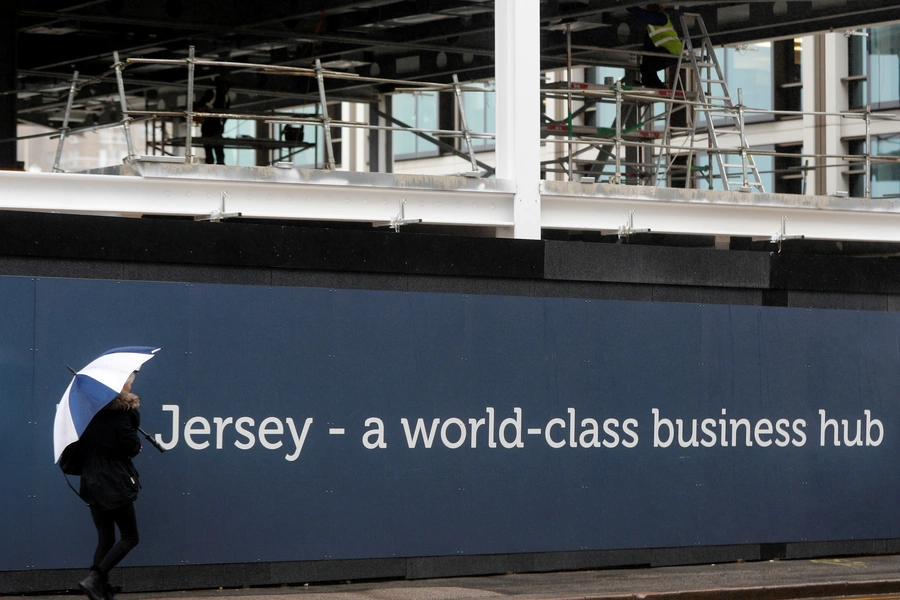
(656, 265)
(344, 280)
(706, 295)
(843, 301)
(379, 251)
(472, 285)
(835, 273)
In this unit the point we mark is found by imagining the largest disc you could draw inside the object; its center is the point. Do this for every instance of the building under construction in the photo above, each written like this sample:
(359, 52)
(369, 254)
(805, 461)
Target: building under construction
(466, 297)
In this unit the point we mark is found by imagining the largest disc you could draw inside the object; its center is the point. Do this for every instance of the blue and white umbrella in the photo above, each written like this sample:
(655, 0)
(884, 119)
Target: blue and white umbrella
(91, 389)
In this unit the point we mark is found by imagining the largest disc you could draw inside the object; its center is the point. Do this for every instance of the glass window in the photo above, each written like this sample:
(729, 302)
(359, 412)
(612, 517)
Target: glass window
(701, 175)
(238, 128)
(312, 157)
(875, 68)
(787, 56)
(885, 176)
(789, 174)
(748, 68)
(481, 115)
(884, 77)
(606, 111)
(858, 71)
(418, 110)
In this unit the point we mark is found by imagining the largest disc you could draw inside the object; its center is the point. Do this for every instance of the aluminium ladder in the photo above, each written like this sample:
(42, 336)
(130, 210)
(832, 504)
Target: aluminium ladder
(736, 165)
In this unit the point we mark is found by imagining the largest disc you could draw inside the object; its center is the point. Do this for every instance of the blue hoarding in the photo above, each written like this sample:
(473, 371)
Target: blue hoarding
(308, 424)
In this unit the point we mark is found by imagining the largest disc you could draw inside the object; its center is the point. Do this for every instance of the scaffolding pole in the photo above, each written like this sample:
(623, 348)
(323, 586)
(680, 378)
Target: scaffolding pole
(64, 130)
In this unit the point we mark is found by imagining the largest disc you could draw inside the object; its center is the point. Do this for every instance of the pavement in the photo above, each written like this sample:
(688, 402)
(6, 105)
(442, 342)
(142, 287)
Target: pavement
(870, 576)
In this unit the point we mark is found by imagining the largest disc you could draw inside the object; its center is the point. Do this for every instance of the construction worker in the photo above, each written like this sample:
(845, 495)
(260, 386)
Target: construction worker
(661, 39)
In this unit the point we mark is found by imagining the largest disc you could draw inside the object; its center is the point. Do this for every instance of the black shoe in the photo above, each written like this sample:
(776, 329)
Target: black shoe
(109, 592)
(92, 585)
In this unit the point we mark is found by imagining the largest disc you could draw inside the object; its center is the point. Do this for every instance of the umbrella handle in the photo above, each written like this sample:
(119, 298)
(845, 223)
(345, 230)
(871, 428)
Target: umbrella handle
(151, 440)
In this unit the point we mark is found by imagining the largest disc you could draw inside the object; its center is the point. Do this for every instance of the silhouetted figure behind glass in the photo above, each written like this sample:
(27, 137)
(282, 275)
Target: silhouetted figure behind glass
(214, 127)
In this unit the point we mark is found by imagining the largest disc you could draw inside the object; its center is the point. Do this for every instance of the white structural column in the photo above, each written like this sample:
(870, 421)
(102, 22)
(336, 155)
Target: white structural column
(353, 146)
(836, 100)
(517, 71)
(826, 64)
(810, 94)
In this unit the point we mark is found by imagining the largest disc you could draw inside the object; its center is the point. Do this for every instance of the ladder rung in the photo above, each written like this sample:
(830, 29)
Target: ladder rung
(713, 81)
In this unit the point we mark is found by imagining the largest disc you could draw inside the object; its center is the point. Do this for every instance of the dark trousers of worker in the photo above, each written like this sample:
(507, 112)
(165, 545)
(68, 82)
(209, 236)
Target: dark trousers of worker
(215, 155)
(650, 67)
(213, 128)
(109, 552)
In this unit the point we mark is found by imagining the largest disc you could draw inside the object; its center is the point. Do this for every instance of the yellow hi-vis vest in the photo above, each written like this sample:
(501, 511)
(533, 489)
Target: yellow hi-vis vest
(664, 36)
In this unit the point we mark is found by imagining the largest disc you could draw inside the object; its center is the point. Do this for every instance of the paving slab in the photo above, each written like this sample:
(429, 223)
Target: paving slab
(768, 580)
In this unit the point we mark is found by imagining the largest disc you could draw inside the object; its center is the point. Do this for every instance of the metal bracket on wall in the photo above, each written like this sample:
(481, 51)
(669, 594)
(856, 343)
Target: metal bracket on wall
(399, 220)
(780, 236)
(626, 230)
(218, 214)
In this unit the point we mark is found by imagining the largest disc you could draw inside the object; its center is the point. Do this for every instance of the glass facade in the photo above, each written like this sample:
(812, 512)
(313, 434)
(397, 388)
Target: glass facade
(787, 58)
(424, 110)
(885, 177)
(481, 114)
(749, 69)
(765, 164)
(875, 68)
(789, 173)
(418, 110)
(237, 128)
(874, 80)
(308, 158)
(884, 76)
(605, 115)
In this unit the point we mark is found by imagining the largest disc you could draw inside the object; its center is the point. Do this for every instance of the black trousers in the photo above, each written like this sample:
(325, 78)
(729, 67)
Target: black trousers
(213, 128)
(215, 155)
(109, 552)
(651, 65)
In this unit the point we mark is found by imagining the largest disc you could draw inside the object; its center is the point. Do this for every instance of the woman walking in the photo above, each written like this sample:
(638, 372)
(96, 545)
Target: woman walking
(110, 485)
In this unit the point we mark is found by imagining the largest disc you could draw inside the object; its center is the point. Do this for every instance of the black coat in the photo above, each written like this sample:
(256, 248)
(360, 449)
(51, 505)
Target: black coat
(108, 477)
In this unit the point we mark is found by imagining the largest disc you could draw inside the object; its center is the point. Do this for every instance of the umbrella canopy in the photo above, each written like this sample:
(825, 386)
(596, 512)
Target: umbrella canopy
(91, 389)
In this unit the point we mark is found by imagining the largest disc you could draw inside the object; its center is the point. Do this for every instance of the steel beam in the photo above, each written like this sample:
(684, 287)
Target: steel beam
(698, 212)
(273, 193)
(270, 194)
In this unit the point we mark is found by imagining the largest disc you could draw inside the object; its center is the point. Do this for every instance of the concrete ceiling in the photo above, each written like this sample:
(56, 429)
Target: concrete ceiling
(427, 40)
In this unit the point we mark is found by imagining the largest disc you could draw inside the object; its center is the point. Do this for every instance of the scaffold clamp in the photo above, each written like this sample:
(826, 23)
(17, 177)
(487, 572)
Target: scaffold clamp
(627, 230)
(400, 219)
(780, 236)
(218, 214)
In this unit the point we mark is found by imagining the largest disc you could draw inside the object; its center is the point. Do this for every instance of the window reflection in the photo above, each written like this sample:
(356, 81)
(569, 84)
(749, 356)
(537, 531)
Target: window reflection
(480, 114)
(885, 176)
(748, 68)
(884, 77)
(418, 110)
(874, 76)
